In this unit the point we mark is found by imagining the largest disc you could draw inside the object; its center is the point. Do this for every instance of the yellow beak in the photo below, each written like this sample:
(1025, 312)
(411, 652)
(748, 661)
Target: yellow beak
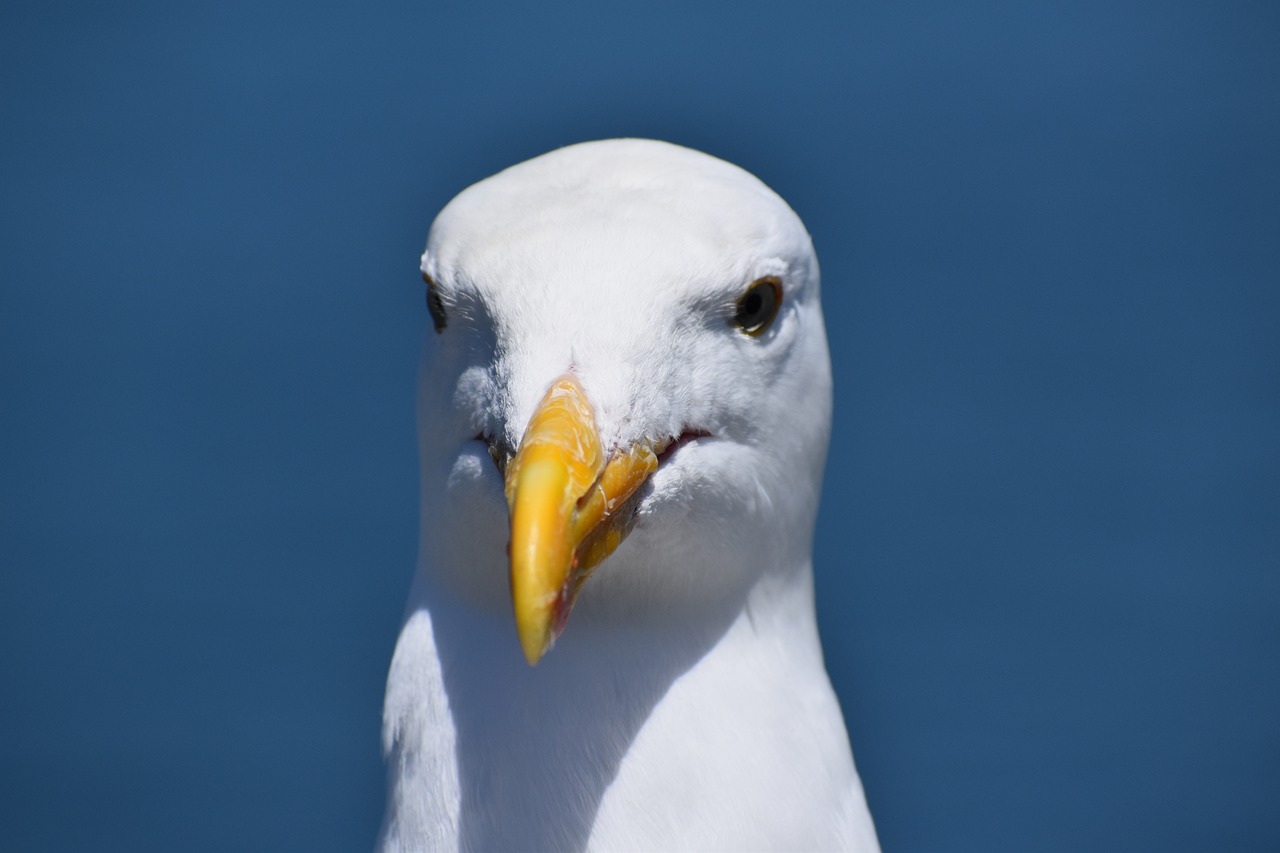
(569, 510)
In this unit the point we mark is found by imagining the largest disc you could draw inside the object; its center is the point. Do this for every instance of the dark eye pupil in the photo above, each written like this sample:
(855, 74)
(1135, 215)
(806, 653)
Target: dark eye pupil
(759, 305)
(435, 305)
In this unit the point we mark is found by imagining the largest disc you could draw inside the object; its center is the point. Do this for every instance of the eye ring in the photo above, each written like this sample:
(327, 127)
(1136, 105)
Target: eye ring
(435, 305)
(758, 307)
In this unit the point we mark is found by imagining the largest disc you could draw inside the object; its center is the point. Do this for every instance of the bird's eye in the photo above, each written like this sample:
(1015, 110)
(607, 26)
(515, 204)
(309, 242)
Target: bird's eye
(435, 305)
(759, 305)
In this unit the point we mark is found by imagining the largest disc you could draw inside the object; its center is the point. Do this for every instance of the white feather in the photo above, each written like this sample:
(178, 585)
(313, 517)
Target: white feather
(686, 705)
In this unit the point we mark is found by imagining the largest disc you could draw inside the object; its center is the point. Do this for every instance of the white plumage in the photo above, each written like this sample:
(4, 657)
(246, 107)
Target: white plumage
(686, 706)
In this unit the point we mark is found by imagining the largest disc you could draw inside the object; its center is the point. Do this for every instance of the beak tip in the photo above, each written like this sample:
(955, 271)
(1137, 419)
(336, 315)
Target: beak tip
(535, 618)
(534, 648)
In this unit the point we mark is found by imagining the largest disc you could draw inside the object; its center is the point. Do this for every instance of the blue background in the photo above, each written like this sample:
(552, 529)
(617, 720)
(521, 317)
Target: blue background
(1048, 563)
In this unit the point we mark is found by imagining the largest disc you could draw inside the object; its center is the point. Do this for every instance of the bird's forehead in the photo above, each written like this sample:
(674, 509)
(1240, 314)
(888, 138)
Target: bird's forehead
(597, 217)
(568, 252)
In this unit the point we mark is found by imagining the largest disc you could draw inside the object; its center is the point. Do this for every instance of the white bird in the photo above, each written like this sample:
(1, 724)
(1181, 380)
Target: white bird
(631, 331)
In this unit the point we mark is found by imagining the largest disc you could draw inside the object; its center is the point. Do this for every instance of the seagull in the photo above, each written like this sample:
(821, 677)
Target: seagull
(624, 408)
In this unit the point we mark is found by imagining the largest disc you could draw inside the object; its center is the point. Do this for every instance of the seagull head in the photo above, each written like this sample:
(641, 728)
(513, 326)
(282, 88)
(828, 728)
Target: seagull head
(627, 392)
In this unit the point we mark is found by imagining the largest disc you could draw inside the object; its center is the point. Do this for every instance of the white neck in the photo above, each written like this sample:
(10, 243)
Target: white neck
(724, 727)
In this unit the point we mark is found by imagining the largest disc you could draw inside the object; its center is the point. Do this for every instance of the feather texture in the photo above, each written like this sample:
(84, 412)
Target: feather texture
(687, 705)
